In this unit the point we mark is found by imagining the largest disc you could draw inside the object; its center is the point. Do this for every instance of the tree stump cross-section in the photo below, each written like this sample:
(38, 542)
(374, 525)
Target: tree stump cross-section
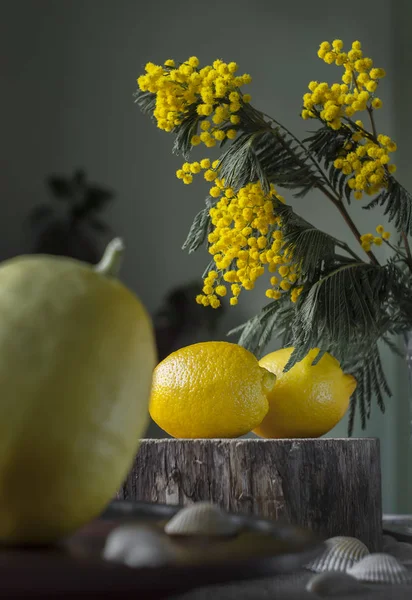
(331, 486)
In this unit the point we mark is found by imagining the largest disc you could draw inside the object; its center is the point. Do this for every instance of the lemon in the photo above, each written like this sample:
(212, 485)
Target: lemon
(77, 357)
(210, 389)
(307, 401)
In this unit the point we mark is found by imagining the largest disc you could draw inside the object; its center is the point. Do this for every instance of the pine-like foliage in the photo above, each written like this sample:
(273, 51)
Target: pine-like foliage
(397, 203)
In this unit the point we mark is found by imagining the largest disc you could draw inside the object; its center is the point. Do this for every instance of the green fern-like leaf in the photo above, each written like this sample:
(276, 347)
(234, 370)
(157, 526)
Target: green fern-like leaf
(366, 367)
(311, 248)
(397, 202)
(268, 156)
(239, 162)
(285, 163)
(198, 231)
(146, 101)
(345, 305)
(185, 132)
(327, 144)
(272, 322)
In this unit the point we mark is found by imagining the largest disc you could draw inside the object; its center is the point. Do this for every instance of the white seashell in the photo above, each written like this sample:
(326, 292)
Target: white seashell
(137, 546)
(341, 553)
(380, 568)
(202, 518)
(334, 583)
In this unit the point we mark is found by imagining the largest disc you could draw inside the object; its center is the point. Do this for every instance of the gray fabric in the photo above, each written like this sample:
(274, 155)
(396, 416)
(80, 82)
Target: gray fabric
(290, 587)
(293, 586)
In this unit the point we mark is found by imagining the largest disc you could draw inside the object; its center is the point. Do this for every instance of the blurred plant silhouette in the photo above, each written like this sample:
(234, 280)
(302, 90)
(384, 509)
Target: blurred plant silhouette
(180, 321)
(74, 227)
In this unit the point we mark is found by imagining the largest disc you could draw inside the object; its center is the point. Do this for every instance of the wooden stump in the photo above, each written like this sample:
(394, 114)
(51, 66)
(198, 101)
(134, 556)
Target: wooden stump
(331, 486)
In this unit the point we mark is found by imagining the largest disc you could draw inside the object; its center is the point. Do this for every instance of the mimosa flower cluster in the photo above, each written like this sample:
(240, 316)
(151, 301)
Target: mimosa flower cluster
(368, 239)
(355, 94)
(246, 239)
(366, 156)
(367, 162)
(214, 90)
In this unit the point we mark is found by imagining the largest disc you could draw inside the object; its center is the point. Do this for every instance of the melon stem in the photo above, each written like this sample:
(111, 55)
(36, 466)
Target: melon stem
(111, 260)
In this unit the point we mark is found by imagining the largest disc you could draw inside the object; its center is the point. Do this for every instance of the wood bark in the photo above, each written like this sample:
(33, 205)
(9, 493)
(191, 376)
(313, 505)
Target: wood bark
(331, 486)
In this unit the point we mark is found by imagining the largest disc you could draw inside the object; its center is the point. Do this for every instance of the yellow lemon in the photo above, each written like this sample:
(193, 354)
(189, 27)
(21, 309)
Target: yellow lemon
(210, 389)
(307, 401)
(77, 356)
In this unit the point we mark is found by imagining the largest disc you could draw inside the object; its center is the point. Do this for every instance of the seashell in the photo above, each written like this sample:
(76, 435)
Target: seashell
(380, 568)
(334, 583)
(341, 553)
(137, 546)
(202, 518)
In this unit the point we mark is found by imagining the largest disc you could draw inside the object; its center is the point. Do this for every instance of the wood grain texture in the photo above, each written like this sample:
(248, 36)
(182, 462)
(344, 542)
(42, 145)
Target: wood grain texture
(331, 486)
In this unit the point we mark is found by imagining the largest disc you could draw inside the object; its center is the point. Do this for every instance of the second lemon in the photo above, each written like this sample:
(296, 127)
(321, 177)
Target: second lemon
(307, 401)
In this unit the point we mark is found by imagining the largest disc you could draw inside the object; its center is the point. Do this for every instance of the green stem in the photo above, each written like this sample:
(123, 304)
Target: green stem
(341, 208)
(396, 250)
(111, 260)
(361, 130)
(372, 120)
